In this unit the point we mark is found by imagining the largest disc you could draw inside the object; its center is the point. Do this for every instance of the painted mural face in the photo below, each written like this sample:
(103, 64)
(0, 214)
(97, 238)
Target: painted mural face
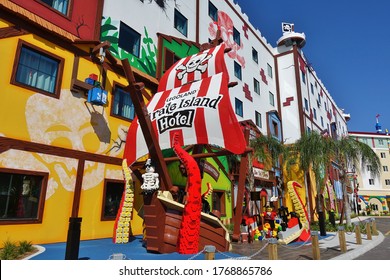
(225, 24)
(69, 122)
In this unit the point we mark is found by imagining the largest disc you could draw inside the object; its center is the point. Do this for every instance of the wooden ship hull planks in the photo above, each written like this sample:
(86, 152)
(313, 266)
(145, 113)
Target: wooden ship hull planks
(163, 216)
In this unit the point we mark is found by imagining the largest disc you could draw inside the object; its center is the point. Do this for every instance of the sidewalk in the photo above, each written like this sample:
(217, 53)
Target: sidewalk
(329, 246)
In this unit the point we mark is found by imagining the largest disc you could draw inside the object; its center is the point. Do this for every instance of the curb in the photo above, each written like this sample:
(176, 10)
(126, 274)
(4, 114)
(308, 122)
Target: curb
(356, 252)
(40, 251)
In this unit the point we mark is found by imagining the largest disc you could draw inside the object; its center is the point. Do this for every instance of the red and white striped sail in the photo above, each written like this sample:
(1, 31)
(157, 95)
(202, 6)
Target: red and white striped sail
(195, 103)
(194, 68)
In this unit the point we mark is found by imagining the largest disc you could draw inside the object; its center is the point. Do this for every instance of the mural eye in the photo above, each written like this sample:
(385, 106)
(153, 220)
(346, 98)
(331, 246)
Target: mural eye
(91, 141)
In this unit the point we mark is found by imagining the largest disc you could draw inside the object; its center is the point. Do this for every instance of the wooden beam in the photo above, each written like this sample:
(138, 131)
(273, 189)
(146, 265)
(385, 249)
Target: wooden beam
(11, 31)
(218, 162)
(10, 143)
(105, 45)
(240, 193)
(136, 92)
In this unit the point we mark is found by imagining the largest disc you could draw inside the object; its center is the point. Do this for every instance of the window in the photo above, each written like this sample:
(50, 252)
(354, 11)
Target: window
(122, 104)
(237, 70)
(22, 196)
(129, 39)
(322, 122)
(255, 56)
(59, 5)
(258, 119)
(303, 77)
(315, 113)
(218, 202)
(380, 141)
(256, 86)
(385, 168)
(112, 196)
(369, 167)
(383, 155)
(275, 129)
(312, 88)
(269, 69)
(371, 181)
(239, 107)
(306, 105)
(37, 69)
(180, 23)
(271, 99)
(236, 36)
(387, 182)
(170, 58)
(213, 12)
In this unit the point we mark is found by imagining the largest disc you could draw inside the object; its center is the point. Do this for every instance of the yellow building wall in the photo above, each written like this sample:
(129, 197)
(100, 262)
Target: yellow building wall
(68, 122)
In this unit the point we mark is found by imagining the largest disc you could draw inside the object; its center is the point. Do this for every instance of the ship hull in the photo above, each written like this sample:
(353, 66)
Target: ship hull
(162, 218)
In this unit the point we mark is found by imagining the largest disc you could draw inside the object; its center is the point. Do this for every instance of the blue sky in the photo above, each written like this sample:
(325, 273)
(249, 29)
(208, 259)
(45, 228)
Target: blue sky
(348, 45)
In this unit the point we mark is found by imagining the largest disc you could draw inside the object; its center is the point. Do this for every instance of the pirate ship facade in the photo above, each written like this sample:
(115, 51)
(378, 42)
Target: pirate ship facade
(193, 106)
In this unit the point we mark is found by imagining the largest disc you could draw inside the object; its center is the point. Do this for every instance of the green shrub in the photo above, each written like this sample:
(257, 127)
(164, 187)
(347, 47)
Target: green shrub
(25, 247)
(314, 226)
(9, 251)
(13, 250)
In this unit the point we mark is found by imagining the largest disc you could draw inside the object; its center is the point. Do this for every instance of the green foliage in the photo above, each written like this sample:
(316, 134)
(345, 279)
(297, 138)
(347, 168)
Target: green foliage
(267, 149)
(314, 226)
(25, 247)
(9, 251)
(148, 56)
(230, 227)
(12, 250)
(313, 152)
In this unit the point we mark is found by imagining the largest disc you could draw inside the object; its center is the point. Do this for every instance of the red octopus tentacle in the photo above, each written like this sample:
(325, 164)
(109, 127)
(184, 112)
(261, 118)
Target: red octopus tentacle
(188, 239)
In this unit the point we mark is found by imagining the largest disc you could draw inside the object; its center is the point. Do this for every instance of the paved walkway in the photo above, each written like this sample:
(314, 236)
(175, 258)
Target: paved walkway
(329, 247)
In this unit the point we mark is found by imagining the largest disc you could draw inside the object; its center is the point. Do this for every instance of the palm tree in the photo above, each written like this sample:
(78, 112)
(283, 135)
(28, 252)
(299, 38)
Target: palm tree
(352, 153)
(313, 152)
(316, 152)
(267, 149)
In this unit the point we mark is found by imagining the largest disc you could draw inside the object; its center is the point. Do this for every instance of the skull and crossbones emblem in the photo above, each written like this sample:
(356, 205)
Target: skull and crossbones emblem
(196, 63)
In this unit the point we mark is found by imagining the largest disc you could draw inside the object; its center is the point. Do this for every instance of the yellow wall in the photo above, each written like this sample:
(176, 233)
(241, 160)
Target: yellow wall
(67, 122)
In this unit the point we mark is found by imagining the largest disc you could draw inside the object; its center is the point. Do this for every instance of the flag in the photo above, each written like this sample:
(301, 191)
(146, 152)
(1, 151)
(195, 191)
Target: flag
(287, 27)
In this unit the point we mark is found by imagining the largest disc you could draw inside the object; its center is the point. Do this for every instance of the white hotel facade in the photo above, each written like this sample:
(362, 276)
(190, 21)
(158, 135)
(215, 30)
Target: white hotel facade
(276, 89)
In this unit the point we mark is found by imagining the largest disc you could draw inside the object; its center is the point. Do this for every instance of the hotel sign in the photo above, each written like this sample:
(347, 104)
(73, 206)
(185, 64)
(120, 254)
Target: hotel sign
(260, 173)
